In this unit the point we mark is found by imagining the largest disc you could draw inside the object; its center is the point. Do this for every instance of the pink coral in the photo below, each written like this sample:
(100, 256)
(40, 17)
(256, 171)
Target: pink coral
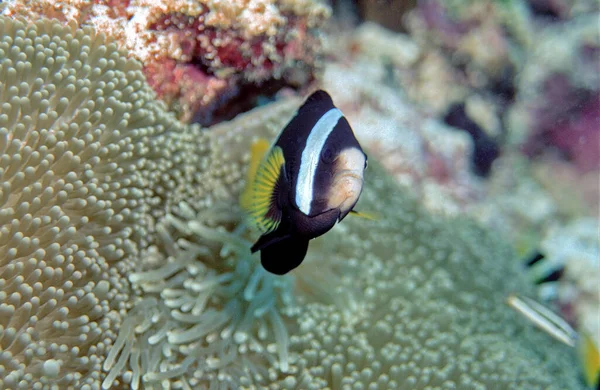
(215, 64)
(201, 54)
(568, 121)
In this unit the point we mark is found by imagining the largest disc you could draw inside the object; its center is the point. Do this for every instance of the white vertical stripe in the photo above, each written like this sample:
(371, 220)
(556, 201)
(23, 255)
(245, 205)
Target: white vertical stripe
(310, 157)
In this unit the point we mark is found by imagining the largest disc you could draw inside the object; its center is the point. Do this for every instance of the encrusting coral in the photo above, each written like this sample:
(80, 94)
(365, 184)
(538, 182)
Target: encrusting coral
(124, 264)
(199, 55)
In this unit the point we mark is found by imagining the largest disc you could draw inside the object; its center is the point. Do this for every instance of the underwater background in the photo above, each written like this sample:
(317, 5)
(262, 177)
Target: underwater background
(125, 135)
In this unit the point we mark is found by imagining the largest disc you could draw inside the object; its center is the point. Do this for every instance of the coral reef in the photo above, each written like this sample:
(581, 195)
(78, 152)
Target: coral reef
(485, 148)
(559, 93)
(567, 123)
(385, 13)
(513, 95)
(555, 119)
(466, 51)
(558, 179)
(199, 55)
(515, 204)
(124, 263)
(518, 84)
(418, 150)
(467, 54)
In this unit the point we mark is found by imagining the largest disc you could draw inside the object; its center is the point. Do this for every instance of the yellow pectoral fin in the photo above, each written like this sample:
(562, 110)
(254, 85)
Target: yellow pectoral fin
(257, 153)
(259, 200)
(366, 215)
(590, 358)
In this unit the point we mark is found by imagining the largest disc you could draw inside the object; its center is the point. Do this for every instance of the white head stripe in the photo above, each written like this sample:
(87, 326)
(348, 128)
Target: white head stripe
(310, 157)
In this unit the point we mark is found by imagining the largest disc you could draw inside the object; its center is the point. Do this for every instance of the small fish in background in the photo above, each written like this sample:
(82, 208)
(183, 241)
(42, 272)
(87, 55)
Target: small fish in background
(305, 183)
(589, 354)
(546, 276)
(555, 326)
(544, 318)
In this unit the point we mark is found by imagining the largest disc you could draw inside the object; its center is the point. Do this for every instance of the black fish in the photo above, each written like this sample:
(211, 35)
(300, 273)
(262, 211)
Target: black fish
(309, 180)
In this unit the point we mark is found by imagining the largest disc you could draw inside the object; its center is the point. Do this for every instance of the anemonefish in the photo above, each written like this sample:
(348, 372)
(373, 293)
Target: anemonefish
(307, 181)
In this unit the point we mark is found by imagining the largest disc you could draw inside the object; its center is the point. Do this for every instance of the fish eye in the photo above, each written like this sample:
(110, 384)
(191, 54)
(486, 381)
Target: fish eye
(327, 155)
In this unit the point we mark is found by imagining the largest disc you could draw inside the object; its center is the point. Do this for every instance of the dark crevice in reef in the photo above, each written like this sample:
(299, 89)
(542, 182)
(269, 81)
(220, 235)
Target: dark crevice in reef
(201, 65)
(387, 13)
(503, 87)
(553, 11)
(238, 99)
(248, 96)
(485, 148)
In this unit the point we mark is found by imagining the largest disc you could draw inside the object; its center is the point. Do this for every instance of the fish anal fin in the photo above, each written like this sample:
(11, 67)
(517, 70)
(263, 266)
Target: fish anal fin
(268, 239)
(590, 358)
(282, 256)
(261, 201)
(366, 215)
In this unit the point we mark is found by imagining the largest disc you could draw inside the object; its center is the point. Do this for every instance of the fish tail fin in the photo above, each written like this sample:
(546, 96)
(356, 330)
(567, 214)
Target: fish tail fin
(543, 273)
(366, 215)
(590, 358)
(258, 150)
(282, 256)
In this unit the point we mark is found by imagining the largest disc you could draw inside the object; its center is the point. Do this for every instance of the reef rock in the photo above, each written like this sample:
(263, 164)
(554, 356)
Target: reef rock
(200, 55)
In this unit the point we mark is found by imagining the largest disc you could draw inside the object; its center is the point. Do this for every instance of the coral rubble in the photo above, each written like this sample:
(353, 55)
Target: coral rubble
(199, 55)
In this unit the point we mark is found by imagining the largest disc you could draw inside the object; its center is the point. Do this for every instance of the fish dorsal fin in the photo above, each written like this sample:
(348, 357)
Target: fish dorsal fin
(317, 100)
(260, 198)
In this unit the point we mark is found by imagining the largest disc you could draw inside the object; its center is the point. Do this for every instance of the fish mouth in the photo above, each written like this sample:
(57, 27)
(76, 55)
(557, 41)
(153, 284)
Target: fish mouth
(355, 176)
(347, 173)
(345, 190)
